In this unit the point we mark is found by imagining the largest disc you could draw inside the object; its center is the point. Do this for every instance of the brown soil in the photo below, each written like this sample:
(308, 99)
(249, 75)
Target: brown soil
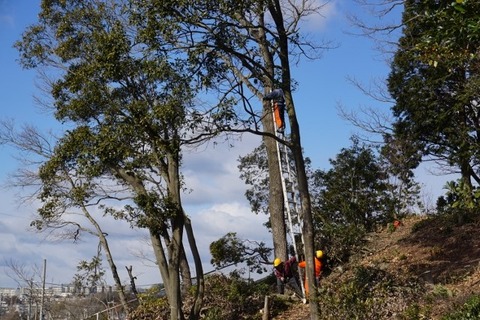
(438, 254)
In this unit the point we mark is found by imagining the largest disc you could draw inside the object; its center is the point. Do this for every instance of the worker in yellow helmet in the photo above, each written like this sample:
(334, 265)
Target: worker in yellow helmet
(285, 273)
(318, 268)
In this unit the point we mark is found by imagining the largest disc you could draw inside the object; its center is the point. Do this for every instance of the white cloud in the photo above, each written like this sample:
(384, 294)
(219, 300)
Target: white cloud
(212, 174)
(317, 22)
(216, 205)
(222, 218)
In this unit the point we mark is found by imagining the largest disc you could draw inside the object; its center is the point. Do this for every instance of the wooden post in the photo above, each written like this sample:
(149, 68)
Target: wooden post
(266, 310)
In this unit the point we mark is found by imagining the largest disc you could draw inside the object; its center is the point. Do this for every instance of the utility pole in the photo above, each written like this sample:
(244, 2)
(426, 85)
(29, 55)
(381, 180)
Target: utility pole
(42, 301)
(30, 300)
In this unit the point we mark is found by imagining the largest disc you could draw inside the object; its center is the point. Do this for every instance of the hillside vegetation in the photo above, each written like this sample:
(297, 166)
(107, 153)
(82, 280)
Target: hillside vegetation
(427, 268)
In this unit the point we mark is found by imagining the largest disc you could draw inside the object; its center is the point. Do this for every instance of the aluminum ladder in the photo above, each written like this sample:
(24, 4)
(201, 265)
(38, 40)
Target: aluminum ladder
(291, 196)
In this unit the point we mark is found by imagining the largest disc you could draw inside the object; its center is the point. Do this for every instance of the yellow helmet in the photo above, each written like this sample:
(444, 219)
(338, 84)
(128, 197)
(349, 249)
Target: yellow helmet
(277, 262)
(319, 254)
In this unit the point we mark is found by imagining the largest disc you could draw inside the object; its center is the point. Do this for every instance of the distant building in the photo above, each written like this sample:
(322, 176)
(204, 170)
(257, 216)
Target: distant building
(9, 292)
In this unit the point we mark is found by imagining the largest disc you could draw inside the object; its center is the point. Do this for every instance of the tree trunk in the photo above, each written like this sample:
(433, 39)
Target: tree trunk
(200, 283)
(132, 280)
(175, 247)
(276, 202)
(307, 226)
(111, 263)
(116, 277)
(173, 282)
(170, 274)
(168, 261)
(185, 271)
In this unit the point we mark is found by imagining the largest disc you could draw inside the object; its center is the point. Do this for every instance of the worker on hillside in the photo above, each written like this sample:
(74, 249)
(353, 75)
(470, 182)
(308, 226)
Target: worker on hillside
(278, 100)
(285, 273)
(318, 269)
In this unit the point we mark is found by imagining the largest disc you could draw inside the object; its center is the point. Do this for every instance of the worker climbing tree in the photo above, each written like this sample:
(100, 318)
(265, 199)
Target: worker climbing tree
(278, 103)
(286, 271)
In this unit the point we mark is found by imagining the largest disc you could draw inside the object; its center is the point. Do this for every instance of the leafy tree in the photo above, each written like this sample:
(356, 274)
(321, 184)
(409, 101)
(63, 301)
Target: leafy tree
(350, 199)
(232, 46)
(453, 202)
(399, 166)
(130, 108)
(246, 45)
(230, 250)
(337, 230)
(254, 172)
(354, 190)
(399, 154)
(90, 275)
(434, 81)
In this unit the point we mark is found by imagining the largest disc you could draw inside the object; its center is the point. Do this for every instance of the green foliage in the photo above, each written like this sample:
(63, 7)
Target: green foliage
(460, 204)
(229, 250)
(391, 227)
(127, 73)
(354, 190)
(459, 196)
(368, 293)
(90, 274)
(434, 81)
(440, 291)
(414, 312)
(339, 240)
(227, 297)
(152, 304)
(214, 313)
(352, 300)
(350, 199)
(399, 158)
(470, 310)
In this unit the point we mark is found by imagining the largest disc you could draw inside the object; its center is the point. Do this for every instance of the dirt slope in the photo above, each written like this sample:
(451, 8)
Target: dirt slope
(439, 255)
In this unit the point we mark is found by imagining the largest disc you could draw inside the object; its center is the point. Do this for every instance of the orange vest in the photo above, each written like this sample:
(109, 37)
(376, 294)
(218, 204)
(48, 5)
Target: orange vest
(318, 270)
(278, 112)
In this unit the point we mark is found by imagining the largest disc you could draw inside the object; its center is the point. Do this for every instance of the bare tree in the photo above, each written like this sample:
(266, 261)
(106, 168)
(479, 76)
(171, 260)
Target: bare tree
(29, 278)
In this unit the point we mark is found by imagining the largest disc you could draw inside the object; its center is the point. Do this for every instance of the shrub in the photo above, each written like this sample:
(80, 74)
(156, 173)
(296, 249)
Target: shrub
(227, 297)
(367, 293)
(416, 312)
(470, 310)
(152, 306)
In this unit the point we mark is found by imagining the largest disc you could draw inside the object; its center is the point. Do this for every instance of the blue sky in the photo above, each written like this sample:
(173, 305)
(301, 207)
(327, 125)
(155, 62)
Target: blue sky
(216, 204)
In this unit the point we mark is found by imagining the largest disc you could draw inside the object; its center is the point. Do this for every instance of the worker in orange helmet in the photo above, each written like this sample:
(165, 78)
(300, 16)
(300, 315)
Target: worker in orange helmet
(318, 268)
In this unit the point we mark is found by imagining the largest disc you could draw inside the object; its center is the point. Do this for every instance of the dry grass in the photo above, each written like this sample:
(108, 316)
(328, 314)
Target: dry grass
(438, 256)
